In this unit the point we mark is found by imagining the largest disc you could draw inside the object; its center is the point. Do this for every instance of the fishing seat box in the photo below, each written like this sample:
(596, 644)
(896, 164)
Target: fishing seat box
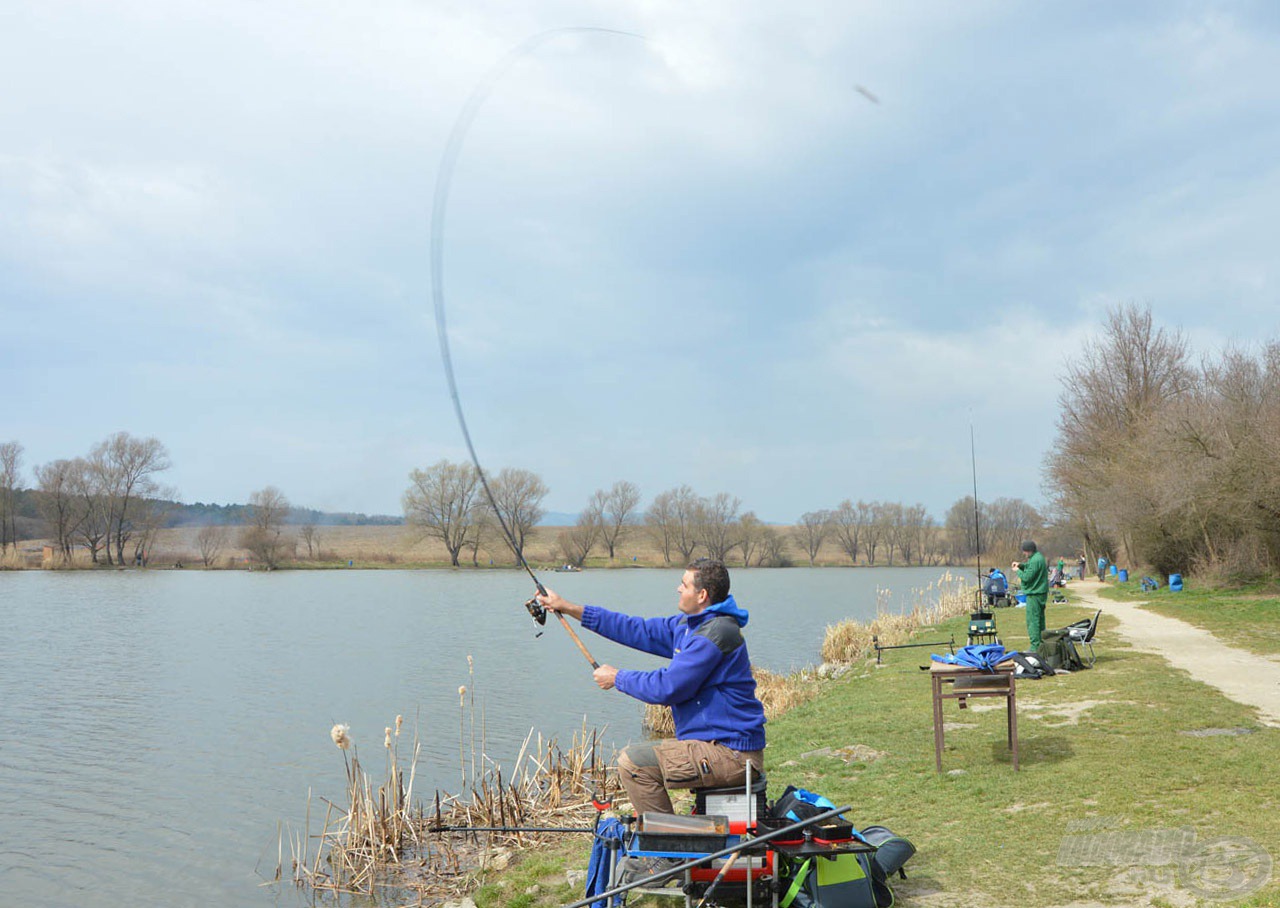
(732, 802)
(681, 835)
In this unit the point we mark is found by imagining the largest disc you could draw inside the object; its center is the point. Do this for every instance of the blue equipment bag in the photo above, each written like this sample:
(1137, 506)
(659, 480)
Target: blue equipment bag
(977, 655)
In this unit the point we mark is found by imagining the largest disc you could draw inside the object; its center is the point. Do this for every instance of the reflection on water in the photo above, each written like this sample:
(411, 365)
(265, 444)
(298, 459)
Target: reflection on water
(157, 725)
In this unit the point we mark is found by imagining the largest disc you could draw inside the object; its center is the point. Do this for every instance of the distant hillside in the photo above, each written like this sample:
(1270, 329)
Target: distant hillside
(201, 514)
(31, 524)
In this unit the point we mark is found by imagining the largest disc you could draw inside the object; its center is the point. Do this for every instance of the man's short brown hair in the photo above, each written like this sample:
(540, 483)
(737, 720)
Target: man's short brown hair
(710, 575)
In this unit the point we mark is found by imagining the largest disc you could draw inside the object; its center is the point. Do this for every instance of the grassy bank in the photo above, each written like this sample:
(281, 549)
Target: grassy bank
(1244, 616)
(1118, 754)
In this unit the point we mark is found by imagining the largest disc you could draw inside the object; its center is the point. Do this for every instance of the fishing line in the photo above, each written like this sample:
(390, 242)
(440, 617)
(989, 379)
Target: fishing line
(439, 208)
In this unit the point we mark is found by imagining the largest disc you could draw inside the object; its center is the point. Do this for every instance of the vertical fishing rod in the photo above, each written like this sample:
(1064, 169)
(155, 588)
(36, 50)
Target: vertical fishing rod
(439, 207)
(977, 533)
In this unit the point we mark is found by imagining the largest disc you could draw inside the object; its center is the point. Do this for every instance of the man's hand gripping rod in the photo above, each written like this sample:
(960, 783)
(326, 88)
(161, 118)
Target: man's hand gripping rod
(539, 613)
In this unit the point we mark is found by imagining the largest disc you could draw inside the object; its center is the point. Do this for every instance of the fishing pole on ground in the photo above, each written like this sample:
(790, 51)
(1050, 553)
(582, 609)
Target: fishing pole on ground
(439, 207)
(511, 829)
(600, 805)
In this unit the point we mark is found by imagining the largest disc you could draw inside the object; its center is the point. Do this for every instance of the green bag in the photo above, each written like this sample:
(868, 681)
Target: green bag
(1059, 652)
(842, 881)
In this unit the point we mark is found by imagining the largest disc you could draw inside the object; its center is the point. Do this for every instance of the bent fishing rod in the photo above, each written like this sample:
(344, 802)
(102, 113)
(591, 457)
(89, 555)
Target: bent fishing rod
(439, 207)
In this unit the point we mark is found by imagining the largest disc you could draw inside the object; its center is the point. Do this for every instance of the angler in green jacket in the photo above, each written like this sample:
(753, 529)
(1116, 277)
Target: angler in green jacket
(1034, 574)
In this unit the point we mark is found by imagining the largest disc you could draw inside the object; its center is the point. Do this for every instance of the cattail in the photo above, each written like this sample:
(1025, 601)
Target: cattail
(399, 722)
(470, 664)
(462, 694)
(339, 735)
(386, 742)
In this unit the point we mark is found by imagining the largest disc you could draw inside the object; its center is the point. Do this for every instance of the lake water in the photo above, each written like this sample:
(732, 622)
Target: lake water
(156, 726)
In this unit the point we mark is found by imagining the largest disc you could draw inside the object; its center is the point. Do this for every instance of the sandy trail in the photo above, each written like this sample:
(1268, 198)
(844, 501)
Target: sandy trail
(1244, 677)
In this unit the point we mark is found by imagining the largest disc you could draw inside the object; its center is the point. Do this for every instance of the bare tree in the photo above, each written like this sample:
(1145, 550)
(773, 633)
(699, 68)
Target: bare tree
(578, 541)
(962, 542)
(672, 522)
(773, 549)
(717, 521)
(149, 516)
(310, 534)
(93, 516)
(519, 495)
(483, 528)
(851, 525)
(879, 532)
(1115, 397)
(812, 532)
(58, 505)
(617, 514)
(748, 536)
(10, 480)
(124, 467)
(264, 535)
(1009, 521)
(913, 527)
(887, 515)
(442, 503)
(659, 524)
(211, 540)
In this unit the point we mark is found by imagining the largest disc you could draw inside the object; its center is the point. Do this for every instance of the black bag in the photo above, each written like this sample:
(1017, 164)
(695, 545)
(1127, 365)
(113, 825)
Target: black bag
(1030, 665)
(892, 851)
(796, 804)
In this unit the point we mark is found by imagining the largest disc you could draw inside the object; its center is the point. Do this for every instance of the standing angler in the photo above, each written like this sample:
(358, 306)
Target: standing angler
(1034, 574)
(708, 685)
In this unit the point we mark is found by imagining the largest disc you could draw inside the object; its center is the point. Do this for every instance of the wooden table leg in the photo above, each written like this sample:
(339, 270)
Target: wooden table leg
(1012, 705)
(937, 721)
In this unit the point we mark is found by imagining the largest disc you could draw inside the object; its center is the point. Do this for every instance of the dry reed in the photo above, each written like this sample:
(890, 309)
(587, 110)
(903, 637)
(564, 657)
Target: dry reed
(851, 641)
(380, 839)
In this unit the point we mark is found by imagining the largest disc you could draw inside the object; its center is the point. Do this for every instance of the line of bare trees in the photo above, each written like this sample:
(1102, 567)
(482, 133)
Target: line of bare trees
(108, 501)
(1164, 462)
(446, 502)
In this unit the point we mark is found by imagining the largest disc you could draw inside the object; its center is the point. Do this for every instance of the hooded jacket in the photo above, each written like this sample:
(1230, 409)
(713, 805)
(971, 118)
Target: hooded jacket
(708, 685)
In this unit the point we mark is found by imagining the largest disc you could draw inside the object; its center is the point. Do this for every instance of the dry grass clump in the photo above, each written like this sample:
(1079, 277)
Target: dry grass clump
(371, 832)
(850, 641)
(380, 839)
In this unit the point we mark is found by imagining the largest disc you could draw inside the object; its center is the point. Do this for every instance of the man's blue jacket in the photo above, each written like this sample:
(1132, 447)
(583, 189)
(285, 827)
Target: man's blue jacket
(708, 684)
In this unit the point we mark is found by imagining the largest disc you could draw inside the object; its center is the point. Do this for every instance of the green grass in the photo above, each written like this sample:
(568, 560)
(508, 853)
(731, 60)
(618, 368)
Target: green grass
(995, 831)
(1247, 617)
(1105, 746)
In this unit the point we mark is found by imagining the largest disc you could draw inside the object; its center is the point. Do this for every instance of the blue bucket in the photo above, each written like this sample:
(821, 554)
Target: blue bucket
(1022, 597)
(1113, 570)
(1124, 575)
(1175, 583)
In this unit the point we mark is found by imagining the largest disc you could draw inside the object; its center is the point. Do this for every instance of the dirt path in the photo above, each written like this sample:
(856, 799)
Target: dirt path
(1244, 677)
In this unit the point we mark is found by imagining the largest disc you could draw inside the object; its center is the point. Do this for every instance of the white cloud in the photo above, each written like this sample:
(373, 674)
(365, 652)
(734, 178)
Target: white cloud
(231, 203)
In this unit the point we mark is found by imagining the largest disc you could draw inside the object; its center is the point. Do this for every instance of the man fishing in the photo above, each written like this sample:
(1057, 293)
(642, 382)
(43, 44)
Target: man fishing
(708, 685)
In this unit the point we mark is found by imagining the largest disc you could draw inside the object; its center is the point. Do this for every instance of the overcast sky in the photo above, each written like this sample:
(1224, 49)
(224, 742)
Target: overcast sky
(702, 256)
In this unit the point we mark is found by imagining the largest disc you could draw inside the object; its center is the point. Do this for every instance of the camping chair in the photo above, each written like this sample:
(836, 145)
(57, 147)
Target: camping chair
(1082, 634)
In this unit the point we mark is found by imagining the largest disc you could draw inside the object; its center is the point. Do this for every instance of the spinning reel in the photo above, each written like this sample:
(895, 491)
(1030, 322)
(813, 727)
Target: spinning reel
(538, 612)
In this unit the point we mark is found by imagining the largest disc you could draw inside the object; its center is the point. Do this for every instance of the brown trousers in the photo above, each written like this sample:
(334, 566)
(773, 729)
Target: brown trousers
(648, 769)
